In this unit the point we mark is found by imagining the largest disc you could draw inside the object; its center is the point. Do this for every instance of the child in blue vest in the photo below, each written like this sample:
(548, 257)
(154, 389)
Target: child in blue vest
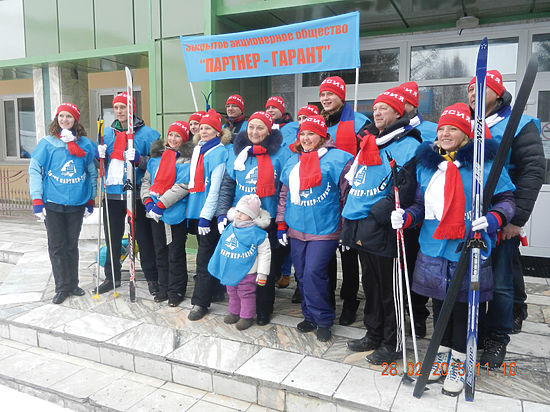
(242, 258)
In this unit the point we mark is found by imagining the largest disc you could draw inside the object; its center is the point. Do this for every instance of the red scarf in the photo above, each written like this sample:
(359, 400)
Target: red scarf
(199, 175)
(265, 184)
(119, 146)
(166, 173)
(452, 224)
(345, 138)
(74, 148)
(310, 170)
(369, 154)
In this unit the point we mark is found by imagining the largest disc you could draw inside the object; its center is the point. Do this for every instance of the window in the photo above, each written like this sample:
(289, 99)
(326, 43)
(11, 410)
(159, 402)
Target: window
(19, 127)
(376, 66)
(543, 110)
(444, 61)
(541, 49)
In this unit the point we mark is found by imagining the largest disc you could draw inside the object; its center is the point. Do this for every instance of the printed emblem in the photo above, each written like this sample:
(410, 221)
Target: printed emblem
(252, 176)
(360, 176)
(231, 242)
(68, 169)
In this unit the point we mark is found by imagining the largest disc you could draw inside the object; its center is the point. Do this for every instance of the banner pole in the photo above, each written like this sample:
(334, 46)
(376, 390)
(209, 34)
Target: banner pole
(193, 95)
(356, 87)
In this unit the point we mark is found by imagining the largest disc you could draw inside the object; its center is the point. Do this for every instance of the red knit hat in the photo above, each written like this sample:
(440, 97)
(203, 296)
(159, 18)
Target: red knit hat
(410, 92)
(457, 115)
(335, 85)
(180, 127)
(264, 117)
(394, 98)
(276, 101)
(71, 108)
(123, 98)
(213, 119)
(197, 116)
(315, 124)
(494, 82)
(309, 110)
(236, 100)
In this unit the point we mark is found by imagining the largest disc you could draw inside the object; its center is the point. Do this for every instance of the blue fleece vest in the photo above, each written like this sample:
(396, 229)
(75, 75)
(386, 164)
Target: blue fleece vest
(245, 181)
(290, 133)
(176, 213)
(143, 139)
(497, 131)
(318, 212)
(447, 248)
(65, 179)
(428, 131)
(211, 160)
(235, 253)
(371, 182)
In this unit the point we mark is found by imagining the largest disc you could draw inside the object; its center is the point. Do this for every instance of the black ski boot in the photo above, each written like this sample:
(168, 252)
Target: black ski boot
(494, 353)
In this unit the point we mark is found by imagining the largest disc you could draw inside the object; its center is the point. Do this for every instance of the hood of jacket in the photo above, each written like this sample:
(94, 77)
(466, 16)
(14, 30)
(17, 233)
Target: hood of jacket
(185, 150)
(225, 137)
(272, 142)
(427, 154)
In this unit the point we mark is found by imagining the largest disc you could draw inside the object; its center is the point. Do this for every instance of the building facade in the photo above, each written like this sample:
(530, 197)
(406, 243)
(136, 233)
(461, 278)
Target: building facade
(52, 51)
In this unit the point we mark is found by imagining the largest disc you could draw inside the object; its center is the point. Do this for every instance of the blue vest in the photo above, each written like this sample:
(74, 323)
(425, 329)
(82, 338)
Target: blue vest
(245, 181)
(359, 120)
(371, 182)
(289, 133)
(65, 180)
(176, 213)
(318, 212)
(428, 131)
(143, 139)
(211, 160)
(235, 253)
(447, 248)
(497, 131)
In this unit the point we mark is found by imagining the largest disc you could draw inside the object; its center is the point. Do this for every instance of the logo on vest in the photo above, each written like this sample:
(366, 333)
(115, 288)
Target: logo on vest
(68, 169)
(311, 202)
(251, 177)
(231, 242)
(360, 176)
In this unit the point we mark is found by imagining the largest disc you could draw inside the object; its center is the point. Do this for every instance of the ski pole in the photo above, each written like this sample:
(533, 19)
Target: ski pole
(101, 177)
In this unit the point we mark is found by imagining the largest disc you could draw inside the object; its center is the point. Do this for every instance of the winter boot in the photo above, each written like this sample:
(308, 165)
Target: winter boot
(243, 323)
(283, 282)
(441, 364)
(494, 353)
(230, 318)
(454, 381)
(323, 334)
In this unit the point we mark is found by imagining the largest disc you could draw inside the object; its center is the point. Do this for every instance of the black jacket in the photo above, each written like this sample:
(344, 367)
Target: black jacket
(528, 166)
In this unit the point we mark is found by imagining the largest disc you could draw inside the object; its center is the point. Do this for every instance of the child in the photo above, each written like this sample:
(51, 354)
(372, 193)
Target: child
(242, 259)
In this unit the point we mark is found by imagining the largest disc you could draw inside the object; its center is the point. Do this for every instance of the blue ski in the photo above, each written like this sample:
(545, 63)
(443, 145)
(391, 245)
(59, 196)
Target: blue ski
(476, 243)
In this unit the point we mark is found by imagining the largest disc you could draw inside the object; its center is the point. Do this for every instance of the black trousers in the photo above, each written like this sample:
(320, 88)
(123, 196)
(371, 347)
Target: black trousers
(63, 230)
(379, 314)
(350, 279)
(206, 285)
(454, 336)
(171, 259)
(265, 295)
(144, 237)
(420, 311)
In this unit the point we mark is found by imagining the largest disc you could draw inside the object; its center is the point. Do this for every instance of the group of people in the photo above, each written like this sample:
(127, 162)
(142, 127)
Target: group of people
(260, 190)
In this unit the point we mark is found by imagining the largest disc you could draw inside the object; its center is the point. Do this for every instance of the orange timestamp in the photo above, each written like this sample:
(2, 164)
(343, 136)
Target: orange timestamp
(441, 369)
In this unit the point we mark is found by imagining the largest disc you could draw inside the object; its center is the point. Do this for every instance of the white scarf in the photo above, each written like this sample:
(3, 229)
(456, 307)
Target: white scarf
(380, 141)
(294, 178)
(195, 161)
(434, 199)
(241, 158)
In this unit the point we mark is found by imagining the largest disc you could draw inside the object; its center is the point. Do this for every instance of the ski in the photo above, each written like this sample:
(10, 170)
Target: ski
(476, 243)
(130, 186)
(100, 184)
(490, 185)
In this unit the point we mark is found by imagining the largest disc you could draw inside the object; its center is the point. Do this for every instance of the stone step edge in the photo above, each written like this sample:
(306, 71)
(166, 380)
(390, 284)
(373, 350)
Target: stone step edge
(51, 395)
(206, 378)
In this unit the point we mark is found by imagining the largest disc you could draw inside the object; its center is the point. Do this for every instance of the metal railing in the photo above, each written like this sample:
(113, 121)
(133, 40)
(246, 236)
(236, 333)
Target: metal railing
(14, 192)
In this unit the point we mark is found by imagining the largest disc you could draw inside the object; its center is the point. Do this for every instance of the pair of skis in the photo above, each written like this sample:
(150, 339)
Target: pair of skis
(129, 187)
(481, 199)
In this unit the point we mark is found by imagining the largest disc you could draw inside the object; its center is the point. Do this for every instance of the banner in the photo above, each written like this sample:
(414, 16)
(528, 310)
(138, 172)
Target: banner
(317, 45)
